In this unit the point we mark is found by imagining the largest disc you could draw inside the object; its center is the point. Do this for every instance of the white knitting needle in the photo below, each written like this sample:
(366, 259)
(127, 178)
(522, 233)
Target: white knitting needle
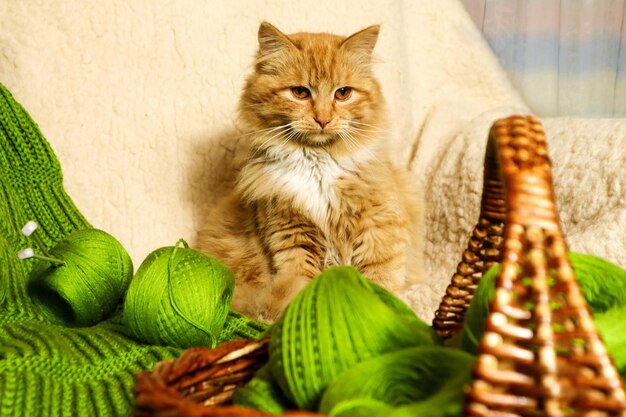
(29, 231)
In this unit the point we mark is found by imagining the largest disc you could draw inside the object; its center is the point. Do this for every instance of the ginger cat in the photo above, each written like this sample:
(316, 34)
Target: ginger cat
(317, 187)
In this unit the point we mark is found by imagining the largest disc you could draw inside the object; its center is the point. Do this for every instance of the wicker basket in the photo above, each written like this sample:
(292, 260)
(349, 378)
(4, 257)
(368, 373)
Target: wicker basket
(547, 360)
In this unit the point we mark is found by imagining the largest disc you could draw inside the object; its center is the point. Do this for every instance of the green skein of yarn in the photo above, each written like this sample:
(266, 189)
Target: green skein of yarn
(402, 309)
(335, 322)
(418, 376)
(179, 297)
(603, 285)
(610, 325)
(90, 283)
(447, 402)
(362, 407)
(262, 393)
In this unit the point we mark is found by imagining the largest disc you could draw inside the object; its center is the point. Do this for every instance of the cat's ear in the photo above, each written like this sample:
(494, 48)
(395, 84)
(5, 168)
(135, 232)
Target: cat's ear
(272, 40)
(363, 41)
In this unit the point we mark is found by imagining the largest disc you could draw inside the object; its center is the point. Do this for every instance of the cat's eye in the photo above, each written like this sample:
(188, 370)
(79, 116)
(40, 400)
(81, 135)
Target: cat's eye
(301, 93)
(343, 93)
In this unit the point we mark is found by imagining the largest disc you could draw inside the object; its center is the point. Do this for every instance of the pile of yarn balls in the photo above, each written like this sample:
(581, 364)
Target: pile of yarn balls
(344, 346)
(178, 297)
(347, 347)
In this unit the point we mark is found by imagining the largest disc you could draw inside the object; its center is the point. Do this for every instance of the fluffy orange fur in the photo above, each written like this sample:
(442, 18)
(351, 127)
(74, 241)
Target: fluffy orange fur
(317, 187)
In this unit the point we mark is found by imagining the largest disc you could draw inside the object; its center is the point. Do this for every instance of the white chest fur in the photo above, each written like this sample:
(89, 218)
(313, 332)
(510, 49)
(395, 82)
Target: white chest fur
(307, 176)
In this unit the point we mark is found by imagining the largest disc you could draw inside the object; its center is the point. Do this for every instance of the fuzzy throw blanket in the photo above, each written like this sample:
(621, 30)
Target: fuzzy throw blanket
(139, 100)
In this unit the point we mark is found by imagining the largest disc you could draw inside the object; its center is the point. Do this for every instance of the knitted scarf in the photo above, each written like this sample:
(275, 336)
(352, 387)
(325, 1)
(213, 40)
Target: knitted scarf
(47, 369)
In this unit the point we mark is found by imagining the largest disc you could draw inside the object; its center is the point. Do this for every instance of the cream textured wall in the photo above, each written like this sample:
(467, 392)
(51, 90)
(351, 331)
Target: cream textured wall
(138, 101)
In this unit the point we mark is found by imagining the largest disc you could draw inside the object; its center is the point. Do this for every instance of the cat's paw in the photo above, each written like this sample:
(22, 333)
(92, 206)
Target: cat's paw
(393, 279)
(284, 290)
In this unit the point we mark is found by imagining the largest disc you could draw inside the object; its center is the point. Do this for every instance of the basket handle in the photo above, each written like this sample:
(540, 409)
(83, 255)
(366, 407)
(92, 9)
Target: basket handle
(540, 353)
(483, 249)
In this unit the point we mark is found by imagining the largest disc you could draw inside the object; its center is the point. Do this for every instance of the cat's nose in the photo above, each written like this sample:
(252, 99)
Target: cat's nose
(322, 121)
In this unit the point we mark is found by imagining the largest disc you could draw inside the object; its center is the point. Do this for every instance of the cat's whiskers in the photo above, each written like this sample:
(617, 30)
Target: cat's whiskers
(365, 133)
(277, 131)
(300, 129)
(294, 134)
(352, 142)
(286, 139)
(266, 130)
(355, 122)
(365, 130)
(343, 137)
(265, 143)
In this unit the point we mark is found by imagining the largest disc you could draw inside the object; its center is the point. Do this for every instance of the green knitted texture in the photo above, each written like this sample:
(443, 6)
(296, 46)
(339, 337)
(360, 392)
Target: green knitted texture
(238, 326)
(48, 369)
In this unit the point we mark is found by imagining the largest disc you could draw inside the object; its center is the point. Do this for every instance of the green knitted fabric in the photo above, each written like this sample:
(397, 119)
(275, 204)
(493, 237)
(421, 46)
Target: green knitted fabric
(47, 369)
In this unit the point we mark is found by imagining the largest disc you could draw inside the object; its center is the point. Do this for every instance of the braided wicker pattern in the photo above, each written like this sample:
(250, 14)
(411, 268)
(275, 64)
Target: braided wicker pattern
(201, 382)
(200, 375)
(540, 354)
(483, 250)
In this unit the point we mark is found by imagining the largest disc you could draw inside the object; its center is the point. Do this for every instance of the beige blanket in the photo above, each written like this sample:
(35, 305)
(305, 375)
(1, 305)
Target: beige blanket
(138, 101)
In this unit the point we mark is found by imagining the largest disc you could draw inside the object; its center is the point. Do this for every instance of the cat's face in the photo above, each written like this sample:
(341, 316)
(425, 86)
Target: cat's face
(314, 90)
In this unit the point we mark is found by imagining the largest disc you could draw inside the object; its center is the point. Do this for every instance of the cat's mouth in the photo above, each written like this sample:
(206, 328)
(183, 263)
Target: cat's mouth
(319, 139)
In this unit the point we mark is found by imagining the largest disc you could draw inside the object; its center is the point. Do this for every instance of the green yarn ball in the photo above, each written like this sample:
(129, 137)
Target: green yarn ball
(603, 285)
(363, 407)
(610, 325)
(337, 321)
(419, 378)
(90, 284)
(261, 393)
(179, 297)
